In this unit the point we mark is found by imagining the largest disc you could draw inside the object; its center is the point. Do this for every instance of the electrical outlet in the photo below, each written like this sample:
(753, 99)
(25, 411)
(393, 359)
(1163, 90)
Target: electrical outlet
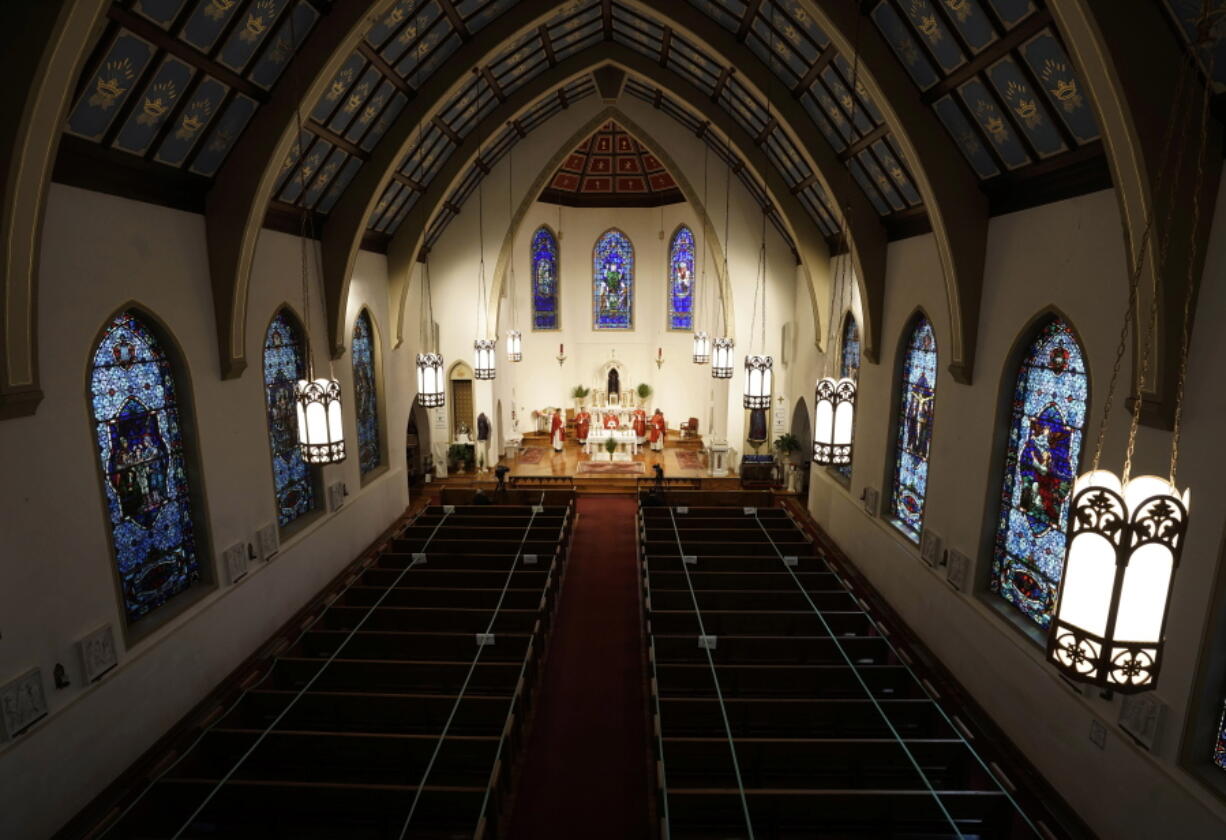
(957, 568)
(268, 541)
(236, 561)
(871, 500)
(1098, 733)
(931, 547)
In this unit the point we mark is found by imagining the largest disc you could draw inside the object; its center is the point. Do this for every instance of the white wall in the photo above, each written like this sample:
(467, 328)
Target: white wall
(99, 253)
(1069, 254)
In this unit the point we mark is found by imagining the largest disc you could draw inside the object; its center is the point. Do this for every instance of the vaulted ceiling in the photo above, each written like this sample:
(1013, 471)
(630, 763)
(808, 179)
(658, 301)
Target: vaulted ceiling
(610, 168)
(852, 123)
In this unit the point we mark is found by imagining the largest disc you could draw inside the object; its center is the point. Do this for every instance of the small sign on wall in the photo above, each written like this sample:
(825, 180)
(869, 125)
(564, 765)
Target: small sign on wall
(22, 704)
(98, 654)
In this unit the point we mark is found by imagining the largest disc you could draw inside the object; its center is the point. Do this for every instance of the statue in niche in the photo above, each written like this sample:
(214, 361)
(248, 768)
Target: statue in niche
(614, 386)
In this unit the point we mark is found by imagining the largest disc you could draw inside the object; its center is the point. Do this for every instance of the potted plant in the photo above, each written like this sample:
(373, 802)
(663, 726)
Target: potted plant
(579, 393)
(785, 445)
(610, 446)
(460, 457)
(644, 391)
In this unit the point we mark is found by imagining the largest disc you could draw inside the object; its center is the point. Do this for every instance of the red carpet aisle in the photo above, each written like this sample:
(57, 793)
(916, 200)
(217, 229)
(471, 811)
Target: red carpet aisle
(585, 770)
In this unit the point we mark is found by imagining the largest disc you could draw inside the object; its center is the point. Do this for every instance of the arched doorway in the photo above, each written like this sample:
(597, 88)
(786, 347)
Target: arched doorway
(417, 443)
(802, 430)
(463, 413)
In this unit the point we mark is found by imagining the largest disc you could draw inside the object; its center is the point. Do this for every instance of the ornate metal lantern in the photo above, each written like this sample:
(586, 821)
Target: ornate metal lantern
(484, 358)
(721, 358)
(834, 419)
(1124, 546)
(321, 433)
(702, 348)
(430, 390)
(759, 375)
(515, 346)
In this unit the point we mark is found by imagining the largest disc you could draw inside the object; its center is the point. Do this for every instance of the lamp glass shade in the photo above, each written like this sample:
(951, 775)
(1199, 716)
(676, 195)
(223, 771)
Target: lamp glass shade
(759, 379)
(515, 346)
(721, 358)
(430, 390)
(702, 348)
(834, 419)
(321, 431)
(1124, 545)
(484, 358)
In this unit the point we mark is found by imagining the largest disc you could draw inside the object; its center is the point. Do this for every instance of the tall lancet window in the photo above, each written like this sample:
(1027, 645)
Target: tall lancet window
(914, 438)
(849, 368)
(545, 312)
(284, 364)
(613, 282)
(366, 394)
(139, 432)
(681, 290)
(1046, 430)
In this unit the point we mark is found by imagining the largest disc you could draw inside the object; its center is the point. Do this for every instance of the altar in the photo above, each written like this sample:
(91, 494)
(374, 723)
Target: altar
(625, 439)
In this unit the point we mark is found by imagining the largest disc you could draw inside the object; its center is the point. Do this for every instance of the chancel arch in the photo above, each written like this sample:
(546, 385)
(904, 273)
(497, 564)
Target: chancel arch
(144, 433)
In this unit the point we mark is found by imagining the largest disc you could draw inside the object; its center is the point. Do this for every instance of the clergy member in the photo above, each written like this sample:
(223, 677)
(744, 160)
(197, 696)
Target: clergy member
(657, 431)
(610, 420)
(640, 425)
(583, 422)
(557, 431)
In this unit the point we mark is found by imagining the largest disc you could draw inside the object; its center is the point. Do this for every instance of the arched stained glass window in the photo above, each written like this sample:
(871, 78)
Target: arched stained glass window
(613, 282)
(681, 290)
(139, 433)
(1046, 428)
(849, 367)
(915, 413)
(545, 312)
(284, 365)
(1219, 749)
(366, 394)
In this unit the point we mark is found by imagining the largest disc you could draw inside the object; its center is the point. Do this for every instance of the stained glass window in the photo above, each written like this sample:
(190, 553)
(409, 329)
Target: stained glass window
(544, 280)
(681, 280)
(284, 365)
(366, 394)
(849, 368)
(915, 413)
(1046, 428)
(139, 433)
(1219, 749)
(613, 282)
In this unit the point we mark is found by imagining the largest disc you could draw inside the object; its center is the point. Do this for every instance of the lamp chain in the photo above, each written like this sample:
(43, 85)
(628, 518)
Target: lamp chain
(723, 304)
(509, 285)
(700, 308)
(481, 301)
(1134, 281)
(1185, 337)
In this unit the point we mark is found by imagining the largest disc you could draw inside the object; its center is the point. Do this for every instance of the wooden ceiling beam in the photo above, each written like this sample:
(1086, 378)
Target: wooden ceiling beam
(453, 17)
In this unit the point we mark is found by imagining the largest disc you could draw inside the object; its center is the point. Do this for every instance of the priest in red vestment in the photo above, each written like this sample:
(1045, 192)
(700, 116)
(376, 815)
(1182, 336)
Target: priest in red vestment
(557, 431)
(610, 421)
(583, 423)
(640, 425)
(656, 435)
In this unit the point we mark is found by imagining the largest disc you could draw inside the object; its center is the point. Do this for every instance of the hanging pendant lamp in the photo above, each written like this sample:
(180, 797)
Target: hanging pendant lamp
(484, 349)
(702, 348)
(1125, 534)
(321, 428)
(515, 340)
(721, 347)
(835, 418)
(484, 358)
(431, 389)
(515, 345)
(721, 358)
(759, 376)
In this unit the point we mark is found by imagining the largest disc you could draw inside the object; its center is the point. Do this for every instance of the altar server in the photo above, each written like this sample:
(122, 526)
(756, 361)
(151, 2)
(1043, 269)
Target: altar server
(658, 428)
(557, 431)
(640, 425)
(583, 423)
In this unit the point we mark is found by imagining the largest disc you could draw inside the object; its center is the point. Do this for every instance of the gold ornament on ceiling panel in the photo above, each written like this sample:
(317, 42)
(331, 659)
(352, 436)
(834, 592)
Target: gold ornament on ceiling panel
(157, 102)
(340, 84)
(218, 9)
(111, 83)
(960, 8)
(1063, 86)
(357, 97)
(194, 120)
(908, 50)
(394, 16)
(925, 20)
(221, 140)
(409, 33)
(1027, 110)
(257, 20)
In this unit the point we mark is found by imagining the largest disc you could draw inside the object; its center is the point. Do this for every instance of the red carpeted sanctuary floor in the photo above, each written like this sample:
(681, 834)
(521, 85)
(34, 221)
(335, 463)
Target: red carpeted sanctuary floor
(585, 769)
